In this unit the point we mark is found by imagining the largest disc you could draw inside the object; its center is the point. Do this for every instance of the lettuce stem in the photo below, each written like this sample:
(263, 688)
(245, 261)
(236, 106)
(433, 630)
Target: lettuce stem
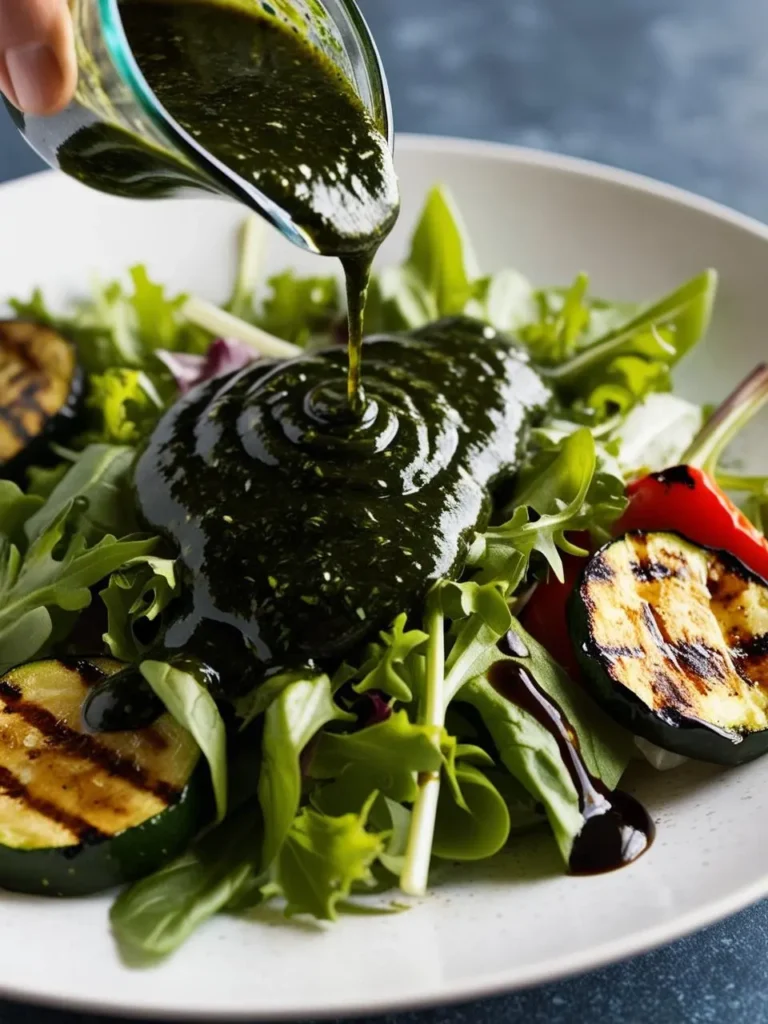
(224, 325)
(418, 853)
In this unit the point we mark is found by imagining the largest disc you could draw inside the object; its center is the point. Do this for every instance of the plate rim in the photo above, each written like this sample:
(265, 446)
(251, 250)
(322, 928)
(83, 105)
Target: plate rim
(556, 968)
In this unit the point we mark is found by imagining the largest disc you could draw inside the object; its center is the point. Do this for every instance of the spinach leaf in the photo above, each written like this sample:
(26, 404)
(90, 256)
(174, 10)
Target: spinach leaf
(190, 703)
(296, 714)
(158, 914)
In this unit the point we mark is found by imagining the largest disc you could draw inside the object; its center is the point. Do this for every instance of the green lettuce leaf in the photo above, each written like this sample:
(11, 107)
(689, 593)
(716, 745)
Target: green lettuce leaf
(386, 757)
(567, 491)
(292, 719)
(474, 827)
(192, 706)
(121, 327)
(321, 860)
(437, 279)
(385, 665)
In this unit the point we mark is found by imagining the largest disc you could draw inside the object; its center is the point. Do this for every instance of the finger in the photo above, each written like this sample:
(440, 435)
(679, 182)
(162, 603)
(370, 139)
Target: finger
(38, 72)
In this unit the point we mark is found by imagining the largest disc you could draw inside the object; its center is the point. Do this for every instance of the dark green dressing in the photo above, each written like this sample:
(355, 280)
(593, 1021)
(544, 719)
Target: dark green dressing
(270, 106)
(304, 531)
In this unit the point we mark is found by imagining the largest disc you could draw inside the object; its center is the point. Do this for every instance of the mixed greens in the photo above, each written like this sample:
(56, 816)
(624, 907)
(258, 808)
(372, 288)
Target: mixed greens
(334, 786)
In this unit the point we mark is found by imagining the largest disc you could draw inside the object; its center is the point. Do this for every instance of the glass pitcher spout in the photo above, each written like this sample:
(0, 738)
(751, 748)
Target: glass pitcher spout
(117, 137)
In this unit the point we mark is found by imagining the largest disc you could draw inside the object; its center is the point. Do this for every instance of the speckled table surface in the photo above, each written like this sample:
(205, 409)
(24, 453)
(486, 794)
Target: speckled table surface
(677, 89)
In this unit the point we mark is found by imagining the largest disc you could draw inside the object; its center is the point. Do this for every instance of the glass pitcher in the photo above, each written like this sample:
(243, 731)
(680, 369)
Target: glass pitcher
(115, 135)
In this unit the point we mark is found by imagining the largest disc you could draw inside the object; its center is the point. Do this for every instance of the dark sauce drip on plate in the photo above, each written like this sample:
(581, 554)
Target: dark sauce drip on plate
(617, 828)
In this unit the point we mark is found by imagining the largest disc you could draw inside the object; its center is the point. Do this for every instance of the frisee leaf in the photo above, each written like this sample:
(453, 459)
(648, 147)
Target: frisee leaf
(322, 858)
(126, 405)
(190, 703)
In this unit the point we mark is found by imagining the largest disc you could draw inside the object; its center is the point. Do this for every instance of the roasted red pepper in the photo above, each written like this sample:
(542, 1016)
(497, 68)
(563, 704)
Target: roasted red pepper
(686, 499)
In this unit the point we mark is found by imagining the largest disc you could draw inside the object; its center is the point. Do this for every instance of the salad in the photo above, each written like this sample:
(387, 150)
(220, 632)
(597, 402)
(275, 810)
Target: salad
(612, 599)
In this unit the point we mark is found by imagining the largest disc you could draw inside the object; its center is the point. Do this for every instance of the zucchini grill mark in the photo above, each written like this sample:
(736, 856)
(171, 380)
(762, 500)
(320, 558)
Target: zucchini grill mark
(674, 639)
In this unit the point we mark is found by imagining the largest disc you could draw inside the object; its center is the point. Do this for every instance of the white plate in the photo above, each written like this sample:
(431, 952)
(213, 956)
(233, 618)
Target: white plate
(519, 921)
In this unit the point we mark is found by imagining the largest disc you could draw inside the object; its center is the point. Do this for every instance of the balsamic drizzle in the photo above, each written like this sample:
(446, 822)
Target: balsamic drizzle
(617, 828)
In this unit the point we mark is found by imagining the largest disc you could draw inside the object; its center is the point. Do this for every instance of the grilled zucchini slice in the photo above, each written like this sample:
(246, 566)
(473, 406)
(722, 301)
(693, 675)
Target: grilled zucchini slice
(673, 639)
(80, 813)
(40, 391)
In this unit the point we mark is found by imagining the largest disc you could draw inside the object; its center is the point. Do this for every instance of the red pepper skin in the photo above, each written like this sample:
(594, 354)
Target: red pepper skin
(688, 501)
(545, 615)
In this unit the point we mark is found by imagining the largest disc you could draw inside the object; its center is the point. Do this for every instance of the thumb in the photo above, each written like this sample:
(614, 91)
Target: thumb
(38, 72)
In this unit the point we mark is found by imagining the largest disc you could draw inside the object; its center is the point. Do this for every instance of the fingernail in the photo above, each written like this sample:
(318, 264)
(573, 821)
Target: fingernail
(36, 76)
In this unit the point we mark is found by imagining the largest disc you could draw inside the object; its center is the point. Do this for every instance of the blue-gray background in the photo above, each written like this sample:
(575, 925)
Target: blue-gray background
(673, 88)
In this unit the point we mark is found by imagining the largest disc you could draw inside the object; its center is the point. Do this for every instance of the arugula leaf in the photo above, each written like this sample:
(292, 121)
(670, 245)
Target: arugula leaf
(322, 858)
(158, 914)
(628, 362)
(57, 571)
(293, 718)
(190, 703)
(127, 403)
(99, 480)
(138, 593)
(384, 667)
(557, 490)
(529, 751)
(387, 757)
(476, 827)
(16, 508)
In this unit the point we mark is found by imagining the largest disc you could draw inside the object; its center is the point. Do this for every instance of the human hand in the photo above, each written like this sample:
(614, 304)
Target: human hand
(38, 71)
